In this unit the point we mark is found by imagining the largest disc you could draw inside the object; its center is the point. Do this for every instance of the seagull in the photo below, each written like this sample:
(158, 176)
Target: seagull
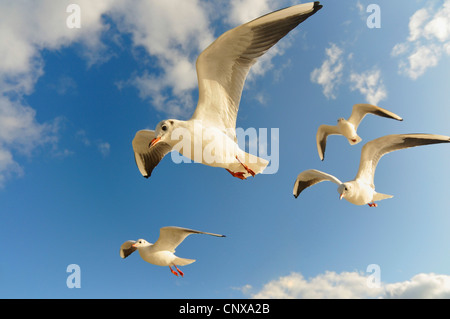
(348, 127)
(161, 253)
(209, 136)
(361, 190)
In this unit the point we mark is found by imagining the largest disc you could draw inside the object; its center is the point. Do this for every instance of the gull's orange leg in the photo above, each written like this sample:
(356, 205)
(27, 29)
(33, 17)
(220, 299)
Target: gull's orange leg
(239, 175)
(246, 167)
(372, 204)
(172, 271)
(181, 273)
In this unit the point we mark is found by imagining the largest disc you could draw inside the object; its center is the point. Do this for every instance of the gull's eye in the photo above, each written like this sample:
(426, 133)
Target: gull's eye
(164, 128)
(346, 189)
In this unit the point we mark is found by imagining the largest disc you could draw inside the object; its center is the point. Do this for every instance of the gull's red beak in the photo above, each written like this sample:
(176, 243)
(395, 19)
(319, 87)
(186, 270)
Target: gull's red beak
(340, 196)
(154, 141)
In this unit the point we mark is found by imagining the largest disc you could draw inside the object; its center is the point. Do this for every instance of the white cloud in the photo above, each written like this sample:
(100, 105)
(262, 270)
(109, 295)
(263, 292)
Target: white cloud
(27, 28)
(416, 23)
(370, 85)
(329, 285)
(64, 85)
(8, 166)
(422, 58)
(242, 11)
(424, 286)
(428, 41)
(20, 133)
(104, 148)
(330, 72)
(351, 285)
(166, 31)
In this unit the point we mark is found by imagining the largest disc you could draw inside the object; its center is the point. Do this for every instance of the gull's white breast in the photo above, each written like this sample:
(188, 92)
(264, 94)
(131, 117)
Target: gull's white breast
(159, 258)
(347, 129)
(362, 193)
(208, 145)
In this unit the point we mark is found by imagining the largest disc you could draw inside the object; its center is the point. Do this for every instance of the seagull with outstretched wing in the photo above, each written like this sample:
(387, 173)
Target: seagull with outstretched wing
(361, 190)
(161, 253)
(349, 127)
(209, 137)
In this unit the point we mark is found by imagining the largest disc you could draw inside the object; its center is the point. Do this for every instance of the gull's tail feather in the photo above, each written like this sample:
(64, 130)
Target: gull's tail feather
(379, 196)
(183, 261)
(254, 163)
(355, 141)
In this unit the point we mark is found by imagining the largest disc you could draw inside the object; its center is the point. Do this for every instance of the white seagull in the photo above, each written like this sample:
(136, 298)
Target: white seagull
(161, 253)
(361, 190)
(348, 127)
(209, 137)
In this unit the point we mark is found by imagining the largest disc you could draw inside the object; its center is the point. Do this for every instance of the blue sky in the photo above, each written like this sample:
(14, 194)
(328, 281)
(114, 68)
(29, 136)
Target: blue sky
(73, 98)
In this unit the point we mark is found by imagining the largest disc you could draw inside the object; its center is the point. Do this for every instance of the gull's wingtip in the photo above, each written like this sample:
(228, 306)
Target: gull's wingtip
(317, 6)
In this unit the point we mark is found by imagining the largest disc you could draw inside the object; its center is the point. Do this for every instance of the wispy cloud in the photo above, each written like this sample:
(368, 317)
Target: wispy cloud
(102, 147)
(332, 73)
(26, 30)
(428, 41)
(64, 85)
(351, 285)
(242, 11)
(20, 133)
(329, 74)
(165, 30)
(369, 84)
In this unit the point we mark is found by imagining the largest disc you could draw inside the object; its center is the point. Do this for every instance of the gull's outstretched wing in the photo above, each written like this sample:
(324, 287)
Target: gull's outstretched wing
(321, 137)
(223, 66)
(171, 236)
(147, 157)
(127, 249)
(311, 177)
(372, 151)
(361, 110)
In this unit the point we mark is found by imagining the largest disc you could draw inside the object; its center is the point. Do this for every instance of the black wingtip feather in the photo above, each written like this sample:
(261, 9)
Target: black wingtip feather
(317, 6)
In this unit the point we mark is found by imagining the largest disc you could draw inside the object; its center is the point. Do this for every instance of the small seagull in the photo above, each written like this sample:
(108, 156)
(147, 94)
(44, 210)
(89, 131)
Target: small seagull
(221, 70)
(161, 253)
(361, 190)
(348, 127)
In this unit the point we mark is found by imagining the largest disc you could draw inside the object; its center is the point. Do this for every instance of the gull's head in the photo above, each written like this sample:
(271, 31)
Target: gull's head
(340, 120)
(345, 190)
(163, 131)
(141, 243)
